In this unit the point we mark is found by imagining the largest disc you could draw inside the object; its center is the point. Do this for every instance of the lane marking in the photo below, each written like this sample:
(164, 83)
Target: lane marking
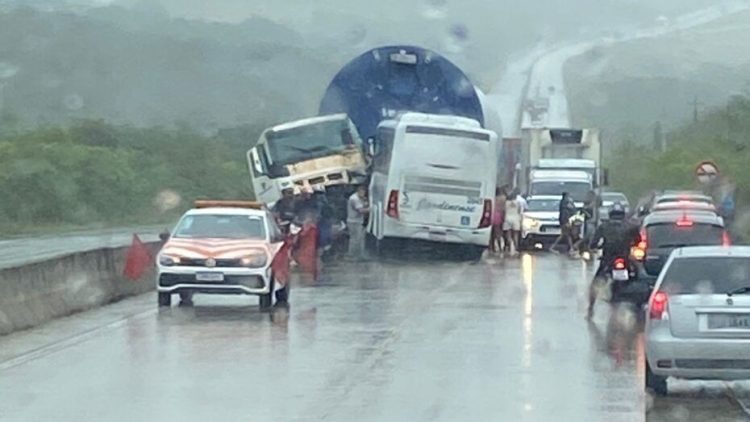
(68, 342)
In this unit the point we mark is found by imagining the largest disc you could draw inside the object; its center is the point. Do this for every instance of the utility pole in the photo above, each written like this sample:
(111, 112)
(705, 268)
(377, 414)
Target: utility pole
(695, 103)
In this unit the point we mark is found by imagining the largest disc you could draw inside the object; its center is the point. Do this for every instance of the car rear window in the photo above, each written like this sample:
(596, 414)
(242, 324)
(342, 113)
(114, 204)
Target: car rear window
(670, 235)
(706, 275)
(682, 199)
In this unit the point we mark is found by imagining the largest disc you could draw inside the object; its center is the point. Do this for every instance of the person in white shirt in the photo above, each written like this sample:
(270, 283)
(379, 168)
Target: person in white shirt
(356, 210)
(512, 223)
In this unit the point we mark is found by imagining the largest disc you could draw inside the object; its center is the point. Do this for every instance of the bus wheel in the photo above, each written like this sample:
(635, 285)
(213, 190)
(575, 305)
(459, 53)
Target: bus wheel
(474, 252)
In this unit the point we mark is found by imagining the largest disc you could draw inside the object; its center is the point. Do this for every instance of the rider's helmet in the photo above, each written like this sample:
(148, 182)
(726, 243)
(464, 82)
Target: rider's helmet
(617, 212)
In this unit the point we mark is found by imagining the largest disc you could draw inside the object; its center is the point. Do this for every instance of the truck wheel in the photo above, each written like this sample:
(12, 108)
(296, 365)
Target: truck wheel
(165, 299)
(655, 382)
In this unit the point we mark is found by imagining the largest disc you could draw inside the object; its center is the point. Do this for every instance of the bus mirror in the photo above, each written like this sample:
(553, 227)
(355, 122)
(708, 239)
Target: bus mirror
(605, 177)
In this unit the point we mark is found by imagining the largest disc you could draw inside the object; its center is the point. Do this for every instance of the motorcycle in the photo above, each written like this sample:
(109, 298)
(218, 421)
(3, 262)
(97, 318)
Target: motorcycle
(625, 283)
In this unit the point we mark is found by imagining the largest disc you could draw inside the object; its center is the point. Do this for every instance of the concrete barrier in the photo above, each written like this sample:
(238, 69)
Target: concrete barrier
(38, 292)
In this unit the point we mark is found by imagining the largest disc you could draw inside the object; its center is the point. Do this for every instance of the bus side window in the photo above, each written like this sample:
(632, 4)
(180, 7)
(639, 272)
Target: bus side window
(384, 150)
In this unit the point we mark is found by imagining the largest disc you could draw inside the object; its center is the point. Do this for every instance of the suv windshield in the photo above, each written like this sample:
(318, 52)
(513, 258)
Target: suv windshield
(305, 142)
(544, 204)
(577, 190)
(221, 226)
(670, 235)
(706, 275)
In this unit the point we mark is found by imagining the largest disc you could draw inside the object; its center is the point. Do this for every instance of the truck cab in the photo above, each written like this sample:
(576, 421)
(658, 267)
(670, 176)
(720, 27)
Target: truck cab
(320, 151)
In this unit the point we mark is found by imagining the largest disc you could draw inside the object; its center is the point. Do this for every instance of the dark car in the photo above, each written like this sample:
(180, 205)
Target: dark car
(673, 197)
(664, 231)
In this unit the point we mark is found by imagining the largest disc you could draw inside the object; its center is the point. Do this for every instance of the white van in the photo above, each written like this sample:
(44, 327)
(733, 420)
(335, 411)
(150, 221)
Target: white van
(434, 179)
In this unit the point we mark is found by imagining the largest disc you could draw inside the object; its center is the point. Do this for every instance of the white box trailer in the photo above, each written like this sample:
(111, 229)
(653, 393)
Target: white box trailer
(559, 149)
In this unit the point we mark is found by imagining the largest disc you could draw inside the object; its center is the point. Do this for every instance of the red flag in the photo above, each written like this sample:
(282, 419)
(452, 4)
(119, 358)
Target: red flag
(306, 254)
(137, 260)
(281, 262)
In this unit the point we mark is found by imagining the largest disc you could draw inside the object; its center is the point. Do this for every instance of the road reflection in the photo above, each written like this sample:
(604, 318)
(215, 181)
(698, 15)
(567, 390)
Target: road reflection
(527, 274)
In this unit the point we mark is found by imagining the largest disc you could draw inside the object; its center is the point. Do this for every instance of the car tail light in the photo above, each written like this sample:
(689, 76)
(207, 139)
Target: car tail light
(658, 306)
(486, 214)
(684, 222)
(725, 239)
(619, 264)
(392, 210)
(639, 250)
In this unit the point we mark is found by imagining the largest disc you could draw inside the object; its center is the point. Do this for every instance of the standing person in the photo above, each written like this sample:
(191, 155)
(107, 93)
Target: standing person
(590, 210)
(325, 219)
(567, 208)
(524, 207)
(498, 217)
(306, 209)
(512, 223)
(357, 209)
(283, 209)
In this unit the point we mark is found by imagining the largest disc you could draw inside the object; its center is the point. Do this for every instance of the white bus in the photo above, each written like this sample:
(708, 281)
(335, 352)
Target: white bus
(434, 179)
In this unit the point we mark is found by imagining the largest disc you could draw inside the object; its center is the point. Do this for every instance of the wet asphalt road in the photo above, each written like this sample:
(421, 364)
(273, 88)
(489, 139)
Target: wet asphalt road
(388, 341)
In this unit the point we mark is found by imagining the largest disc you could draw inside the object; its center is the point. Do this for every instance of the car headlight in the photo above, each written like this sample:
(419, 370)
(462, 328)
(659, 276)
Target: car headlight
(254, 261)
(167, 260)
(530, 223)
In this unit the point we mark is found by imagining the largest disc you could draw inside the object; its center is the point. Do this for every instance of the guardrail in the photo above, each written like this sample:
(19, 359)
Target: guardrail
(31, 294)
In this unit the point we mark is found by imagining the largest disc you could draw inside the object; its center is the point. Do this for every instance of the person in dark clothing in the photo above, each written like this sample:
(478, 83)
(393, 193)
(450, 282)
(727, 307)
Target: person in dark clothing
(284, 209)
(307, 208)
(325, 219)
(616, 236)
(567, 208)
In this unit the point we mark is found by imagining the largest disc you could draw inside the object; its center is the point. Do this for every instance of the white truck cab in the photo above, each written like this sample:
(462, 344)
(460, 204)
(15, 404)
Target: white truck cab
(319, 151)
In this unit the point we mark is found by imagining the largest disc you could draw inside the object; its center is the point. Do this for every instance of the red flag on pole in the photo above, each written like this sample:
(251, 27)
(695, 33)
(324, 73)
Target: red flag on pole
(281, 262)
(137, 260)
(306, 254)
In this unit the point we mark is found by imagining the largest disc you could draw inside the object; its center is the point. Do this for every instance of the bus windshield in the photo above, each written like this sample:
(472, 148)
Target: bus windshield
(315, 140)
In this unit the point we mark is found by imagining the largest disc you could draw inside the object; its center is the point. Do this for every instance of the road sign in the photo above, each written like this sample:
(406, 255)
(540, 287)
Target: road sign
(706, 172)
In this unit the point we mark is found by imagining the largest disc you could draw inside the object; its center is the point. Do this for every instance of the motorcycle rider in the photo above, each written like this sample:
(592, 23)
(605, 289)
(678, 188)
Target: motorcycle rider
(617, 236)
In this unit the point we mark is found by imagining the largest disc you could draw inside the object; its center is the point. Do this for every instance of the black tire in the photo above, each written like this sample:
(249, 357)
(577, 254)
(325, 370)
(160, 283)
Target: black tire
(656, 383)
(474, 252)
(164, 299)
(266, 300)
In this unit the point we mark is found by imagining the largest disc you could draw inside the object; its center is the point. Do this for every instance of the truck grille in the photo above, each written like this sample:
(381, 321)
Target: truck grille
(337, 177)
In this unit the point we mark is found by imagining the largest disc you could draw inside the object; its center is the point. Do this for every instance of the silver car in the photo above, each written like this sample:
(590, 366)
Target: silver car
(698, 317)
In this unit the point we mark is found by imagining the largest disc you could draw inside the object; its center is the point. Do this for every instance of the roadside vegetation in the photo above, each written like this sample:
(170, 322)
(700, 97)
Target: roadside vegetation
(94, 173)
